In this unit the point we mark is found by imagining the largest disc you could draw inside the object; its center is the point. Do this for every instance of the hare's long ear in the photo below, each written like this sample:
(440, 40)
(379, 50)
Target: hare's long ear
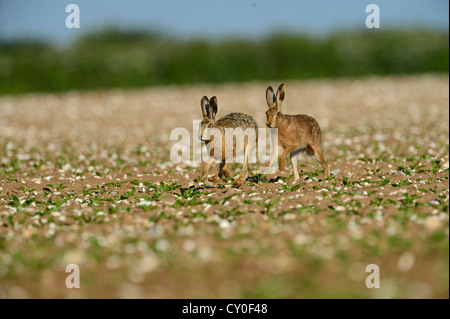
(214, 107)
(270, 96)
(281, 93)
(205, 107)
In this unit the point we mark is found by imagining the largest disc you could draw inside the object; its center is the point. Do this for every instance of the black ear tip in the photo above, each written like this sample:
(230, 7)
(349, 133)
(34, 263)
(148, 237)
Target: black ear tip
(204, 100)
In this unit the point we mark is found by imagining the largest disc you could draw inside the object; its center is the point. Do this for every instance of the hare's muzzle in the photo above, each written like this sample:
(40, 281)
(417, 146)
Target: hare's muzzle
(200, 133)
(202, 137)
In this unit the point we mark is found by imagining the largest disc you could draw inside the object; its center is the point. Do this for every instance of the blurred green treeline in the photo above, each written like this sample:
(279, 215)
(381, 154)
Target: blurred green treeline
(137, 59)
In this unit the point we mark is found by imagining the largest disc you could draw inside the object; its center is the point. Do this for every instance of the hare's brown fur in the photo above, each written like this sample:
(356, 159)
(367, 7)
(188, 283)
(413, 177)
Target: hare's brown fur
(296, 133)
(230, 121)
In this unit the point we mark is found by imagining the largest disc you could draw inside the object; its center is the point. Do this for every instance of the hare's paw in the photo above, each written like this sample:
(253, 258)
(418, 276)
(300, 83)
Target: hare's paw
(238, 183)
(204, 177)
(267, 164)
(214, 179)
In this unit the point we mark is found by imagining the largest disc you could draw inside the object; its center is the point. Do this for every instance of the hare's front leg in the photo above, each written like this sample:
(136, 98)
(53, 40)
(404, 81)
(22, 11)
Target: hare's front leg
(205, 169)
(274, 146)
(287, 151)
(244, 173)
(224, 170)
(218, 175)
(294, 161)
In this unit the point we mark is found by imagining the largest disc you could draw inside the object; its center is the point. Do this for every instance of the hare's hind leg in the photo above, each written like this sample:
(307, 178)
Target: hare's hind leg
(244, 173)
(318, 154)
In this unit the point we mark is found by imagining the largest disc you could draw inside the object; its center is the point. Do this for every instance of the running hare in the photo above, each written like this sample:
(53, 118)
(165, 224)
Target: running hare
(226, 151)
(296, 133)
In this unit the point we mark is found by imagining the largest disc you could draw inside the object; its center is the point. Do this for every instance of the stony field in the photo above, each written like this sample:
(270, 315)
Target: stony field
(86, 179)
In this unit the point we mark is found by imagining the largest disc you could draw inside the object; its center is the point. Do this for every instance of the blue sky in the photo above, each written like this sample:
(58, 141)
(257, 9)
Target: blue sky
(212, 19)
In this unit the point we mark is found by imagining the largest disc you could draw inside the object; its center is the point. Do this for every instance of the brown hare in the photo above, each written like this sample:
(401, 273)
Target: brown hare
(296, 133)
(225, 153)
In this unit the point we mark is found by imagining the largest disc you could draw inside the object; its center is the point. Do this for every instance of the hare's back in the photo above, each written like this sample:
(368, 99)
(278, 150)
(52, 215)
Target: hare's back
(306, 119)
(237, 119)
(306, 124)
